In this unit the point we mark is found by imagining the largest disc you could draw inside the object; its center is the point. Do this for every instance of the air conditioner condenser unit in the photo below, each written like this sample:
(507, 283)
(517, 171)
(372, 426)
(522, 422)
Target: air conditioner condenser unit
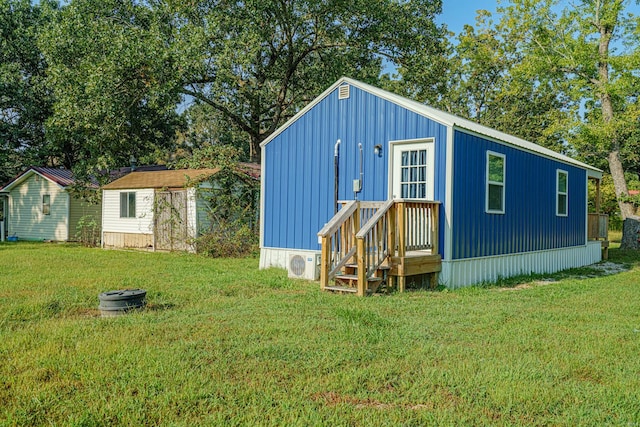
(304, 266)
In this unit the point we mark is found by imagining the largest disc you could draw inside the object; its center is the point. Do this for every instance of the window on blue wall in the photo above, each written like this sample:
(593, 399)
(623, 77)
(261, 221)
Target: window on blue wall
(128, 204)
(495, 182)
(562, 193)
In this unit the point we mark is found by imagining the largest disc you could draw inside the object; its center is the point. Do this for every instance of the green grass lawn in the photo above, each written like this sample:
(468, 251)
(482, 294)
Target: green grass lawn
(222, 343)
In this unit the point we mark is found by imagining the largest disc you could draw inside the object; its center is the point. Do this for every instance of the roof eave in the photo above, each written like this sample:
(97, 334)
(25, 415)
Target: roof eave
(24, 176)
(446, 119)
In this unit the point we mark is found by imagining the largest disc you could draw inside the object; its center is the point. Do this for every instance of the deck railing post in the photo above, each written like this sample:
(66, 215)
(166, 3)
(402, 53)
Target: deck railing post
(391, 241)
(362, 268)
(325, 262)
(356, 224)
(435, 230)
(402, 239)
(391, 231)
(401, 229)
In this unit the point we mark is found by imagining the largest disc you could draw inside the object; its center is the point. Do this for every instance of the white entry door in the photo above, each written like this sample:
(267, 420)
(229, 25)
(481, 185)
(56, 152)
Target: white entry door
(412, 169)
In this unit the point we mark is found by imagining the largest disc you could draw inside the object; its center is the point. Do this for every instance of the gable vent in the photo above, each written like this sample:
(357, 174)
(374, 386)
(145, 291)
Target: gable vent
(343, 92)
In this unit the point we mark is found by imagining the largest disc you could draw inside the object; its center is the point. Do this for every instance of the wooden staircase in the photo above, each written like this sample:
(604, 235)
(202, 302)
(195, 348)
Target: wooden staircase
(347, 280)
(398, 240)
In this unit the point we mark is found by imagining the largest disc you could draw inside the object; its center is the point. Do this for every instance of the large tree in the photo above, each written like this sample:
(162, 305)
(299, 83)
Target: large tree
(254, 63)
(113, 81)
(484, 77)
(25, 99)
(591, 49)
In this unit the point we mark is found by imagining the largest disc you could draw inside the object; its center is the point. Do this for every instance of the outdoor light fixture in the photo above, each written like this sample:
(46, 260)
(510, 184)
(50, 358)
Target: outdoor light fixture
(377, 149)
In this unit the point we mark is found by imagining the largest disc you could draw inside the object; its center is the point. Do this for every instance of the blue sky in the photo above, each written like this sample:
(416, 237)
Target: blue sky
(457, 13)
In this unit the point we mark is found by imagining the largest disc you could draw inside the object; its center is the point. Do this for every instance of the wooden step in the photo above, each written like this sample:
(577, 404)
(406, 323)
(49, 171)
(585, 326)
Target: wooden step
(345, 289)
(341, 289)
(354, 277)
(382, 267)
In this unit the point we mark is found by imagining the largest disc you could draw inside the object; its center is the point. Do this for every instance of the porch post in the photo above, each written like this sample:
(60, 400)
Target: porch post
(362, 268)
(435, 227)
(402, 241)
(598, 196)
(325, 260)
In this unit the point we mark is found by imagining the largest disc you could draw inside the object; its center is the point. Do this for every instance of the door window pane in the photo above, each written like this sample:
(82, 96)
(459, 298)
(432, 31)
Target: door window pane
(405, 158)
(413, 174)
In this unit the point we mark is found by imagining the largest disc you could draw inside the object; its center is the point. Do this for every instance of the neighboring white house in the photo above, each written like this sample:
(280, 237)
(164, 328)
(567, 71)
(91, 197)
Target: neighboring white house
(39, 205)
(151, 210)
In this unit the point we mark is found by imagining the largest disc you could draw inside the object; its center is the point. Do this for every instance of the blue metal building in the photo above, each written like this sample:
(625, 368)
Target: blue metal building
(507, 206)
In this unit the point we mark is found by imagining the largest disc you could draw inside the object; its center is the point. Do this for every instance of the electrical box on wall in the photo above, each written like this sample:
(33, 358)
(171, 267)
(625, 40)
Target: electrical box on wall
(357, 185)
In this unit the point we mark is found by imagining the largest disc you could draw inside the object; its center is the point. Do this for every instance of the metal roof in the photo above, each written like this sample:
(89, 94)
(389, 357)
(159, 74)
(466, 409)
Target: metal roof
(159, 179)
(173, 178)
(442, 117)
(61, 177)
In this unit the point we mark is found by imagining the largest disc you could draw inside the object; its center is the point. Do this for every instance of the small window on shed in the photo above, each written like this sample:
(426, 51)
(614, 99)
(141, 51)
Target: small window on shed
(46, 204)
(495, 183)
(128, 204)
(562, 193)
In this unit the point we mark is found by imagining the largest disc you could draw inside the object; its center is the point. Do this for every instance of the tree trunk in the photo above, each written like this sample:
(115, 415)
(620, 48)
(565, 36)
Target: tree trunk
(631, 233)
(615, 165)
(254, 149)
(620, 184)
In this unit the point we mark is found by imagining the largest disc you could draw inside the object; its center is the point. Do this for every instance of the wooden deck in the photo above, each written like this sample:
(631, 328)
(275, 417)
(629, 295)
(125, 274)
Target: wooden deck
(369, 244)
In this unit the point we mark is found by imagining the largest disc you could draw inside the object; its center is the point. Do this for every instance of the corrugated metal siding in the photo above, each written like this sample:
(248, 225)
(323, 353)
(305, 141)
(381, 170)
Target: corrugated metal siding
(530, 222)
(26, 219)
(298, 163)
(456, 274)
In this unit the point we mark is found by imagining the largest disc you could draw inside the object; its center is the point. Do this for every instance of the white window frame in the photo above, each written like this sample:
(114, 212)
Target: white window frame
(128, 195)
(395, 170)
(488, 183)
(560, 193)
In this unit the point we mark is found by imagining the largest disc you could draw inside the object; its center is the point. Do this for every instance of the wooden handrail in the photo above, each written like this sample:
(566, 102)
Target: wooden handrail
(374, 219)
(334, 224)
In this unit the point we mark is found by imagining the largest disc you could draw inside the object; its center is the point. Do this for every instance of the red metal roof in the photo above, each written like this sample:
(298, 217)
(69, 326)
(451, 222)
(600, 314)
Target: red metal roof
(60, 176)
(63, 177)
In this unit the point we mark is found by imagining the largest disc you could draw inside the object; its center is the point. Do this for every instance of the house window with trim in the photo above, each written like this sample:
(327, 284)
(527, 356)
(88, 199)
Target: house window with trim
(562, 193)
(495, 183)
(46, 204)
(128, 204)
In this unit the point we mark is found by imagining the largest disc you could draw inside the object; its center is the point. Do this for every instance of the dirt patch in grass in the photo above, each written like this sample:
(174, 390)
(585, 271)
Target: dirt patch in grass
(522, 286)
(607, 268)
(331, 399)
